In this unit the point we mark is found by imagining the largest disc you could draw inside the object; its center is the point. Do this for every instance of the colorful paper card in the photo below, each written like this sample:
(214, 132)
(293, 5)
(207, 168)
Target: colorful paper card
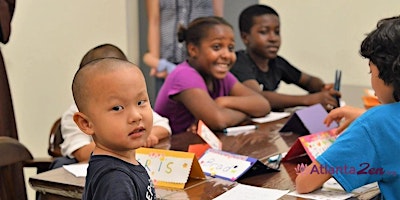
(204, 132)
(169, 168)
(198, 149)
(313, 145)
(308, 120)
(231, 166)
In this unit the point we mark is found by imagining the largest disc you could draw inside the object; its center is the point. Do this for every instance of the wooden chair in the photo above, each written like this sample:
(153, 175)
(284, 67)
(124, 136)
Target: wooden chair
(14, 157)
(55, 139)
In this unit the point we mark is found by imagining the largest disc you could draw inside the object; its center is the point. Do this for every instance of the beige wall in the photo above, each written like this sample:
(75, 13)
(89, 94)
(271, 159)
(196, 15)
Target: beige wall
(47, 42)
(321, 36)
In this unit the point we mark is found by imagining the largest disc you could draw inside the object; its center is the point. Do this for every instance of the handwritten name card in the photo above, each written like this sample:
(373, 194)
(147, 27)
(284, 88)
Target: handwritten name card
(169, 168)
(231, 166)
(204, 132)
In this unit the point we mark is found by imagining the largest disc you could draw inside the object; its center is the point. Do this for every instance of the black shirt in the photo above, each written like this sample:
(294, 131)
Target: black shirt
(111, 178)
(279, 69)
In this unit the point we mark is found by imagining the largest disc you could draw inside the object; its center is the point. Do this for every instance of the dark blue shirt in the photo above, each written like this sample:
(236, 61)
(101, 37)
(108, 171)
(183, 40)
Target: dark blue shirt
(111, 178)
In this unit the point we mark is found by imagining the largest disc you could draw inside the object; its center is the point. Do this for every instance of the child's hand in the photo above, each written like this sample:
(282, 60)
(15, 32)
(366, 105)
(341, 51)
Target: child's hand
(192, 128)
(327, 87)
(326, 98)
(222, 101)
(162, 74)
(153, 72)
(346, 113)
(151, 141)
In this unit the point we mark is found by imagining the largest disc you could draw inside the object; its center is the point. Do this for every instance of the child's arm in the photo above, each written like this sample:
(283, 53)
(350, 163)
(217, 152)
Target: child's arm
(310, 83)
(245, 100)
(312, 178)
(160, 130)
(203, 107)
(280, 101)
(83, 153)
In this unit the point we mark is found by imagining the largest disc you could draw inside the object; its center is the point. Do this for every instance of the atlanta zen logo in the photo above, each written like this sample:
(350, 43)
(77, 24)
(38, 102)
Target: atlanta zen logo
(364, 169)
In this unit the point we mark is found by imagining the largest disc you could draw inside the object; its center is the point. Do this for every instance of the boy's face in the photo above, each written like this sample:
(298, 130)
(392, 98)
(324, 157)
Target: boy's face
(119, 111)
(264, 38)
(382, 91)
(215, 54)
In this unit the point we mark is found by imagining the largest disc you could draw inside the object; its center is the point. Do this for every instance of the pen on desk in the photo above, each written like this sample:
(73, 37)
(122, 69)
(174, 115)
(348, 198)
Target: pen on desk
(239, 129)
(338, 77)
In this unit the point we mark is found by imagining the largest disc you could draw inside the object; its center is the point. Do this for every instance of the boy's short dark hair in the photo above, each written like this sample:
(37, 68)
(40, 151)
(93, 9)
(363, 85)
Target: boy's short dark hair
(102, 51)
(247, 15)
(382, 47)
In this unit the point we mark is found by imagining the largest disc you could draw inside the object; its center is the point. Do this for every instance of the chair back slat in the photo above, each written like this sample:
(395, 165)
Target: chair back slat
(55, 139)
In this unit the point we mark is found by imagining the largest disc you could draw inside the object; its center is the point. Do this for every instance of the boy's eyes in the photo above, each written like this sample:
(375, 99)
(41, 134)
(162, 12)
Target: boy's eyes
(264, 32)
(117, 108)
(141, 103)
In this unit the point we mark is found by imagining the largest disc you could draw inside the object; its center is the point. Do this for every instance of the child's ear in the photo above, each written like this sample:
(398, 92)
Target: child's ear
(83, 122)
(244, 37)
(192, 50)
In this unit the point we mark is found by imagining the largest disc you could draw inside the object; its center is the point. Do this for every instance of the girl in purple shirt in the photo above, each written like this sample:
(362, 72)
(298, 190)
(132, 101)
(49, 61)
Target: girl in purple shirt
(202, 88)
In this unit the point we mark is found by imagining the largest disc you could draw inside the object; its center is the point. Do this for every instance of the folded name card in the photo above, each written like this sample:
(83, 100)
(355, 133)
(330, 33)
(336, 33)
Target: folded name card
(231, 166)
(313, 145)
(169, 168)
(207, 135)
(308, 120)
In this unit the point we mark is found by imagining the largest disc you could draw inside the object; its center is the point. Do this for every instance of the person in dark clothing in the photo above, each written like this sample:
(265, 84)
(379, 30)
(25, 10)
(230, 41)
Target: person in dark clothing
(260, 68)
(8, 126)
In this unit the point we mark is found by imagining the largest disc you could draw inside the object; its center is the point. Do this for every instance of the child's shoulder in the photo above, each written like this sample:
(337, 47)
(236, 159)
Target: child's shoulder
(380, 116)
(391, 109)
(184, 71)
(103, 161)
(110, 163)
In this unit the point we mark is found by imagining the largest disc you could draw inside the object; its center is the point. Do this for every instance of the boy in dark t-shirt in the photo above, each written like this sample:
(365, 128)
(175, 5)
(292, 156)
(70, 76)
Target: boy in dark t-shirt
(260, 68)
(114, 108)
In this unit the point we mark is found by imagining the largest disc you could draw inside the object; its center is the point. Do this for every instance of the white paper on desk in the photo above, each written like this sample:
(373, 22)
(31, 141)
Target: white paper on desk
(272, 116)
(332, 184)
(242, 191)
(78, 170)
(324, 195)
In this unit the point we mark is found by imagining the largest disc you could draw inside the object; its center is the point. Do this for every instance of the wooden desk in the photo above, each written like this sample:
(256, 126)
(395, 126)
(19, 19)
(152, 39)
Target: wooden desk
(260, 144)
(264, 142)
